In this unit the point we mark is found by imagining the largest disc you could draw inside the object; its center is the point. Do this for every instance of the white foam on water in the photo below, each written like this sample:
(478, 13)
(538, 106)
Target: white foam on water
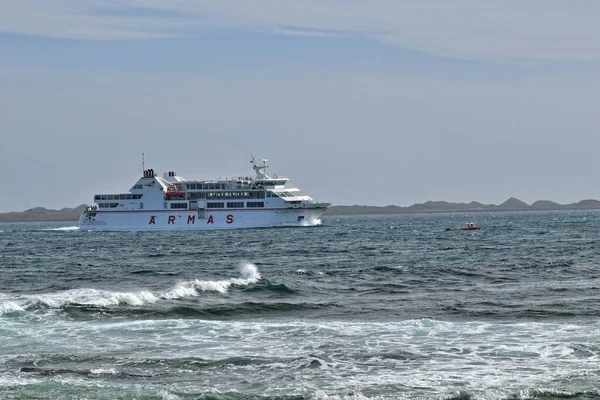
(320, 395)
(311, 223)
(92, 297)
(248, 275)
(490, 359)
(340, 360)
(64, 229)
(104, 371)
(10, 306)
(301, 271)
(168, 396)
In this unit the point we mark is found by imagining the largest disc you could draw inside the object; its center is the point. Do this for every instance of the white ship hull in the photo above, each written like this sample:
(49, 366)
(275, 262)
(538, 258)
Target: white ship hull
(155, 220)
(172, 203)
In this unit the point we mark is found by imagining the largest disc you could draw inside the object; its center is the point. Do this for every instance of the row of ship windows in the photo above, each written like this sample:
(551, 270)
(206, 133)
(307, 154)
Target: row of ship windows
(126, 196)
(211, 186)
(231, 204)
(204, 186)
(236, 204)
(226, 195)
(107, 205)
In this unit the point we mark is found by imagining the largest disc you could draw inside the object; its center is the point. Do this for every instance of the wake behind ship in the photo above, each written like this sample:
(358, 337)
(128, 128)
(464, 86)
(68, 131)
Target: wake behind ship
(173, 203)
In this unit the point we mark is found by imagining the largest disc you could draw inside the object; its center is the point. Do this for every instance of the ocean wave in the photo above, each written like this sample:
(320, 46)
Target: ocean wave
(94, 372)
(249, 274)
(10, 307)
(278, 288)
(528, 394)
(91, 297)
(104, 371)
(235, 310)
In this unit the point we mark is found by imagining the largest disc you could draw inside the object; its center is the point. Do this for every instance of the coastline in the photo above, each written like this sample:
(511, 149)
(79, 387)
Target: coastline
(40, 214)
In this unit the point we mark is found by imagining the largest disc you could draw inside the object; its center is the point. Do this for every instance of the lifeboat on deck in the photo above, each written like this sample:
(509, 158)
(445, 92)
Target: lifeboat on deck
(173, 193)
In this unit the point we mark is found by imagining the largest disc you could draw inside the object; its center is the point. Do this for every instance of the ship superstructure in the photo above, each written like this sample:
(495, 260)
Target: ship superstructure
(170, 202)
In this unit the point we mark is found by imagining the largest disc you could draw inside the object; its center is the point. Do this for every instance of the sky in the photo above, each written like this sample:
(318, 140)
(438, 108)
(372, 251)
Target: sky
(372, 102)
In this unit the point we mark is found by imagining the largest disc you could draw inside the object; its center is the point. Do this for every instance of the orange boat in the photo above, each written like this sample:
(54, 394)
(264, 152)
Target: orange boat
(470, 227)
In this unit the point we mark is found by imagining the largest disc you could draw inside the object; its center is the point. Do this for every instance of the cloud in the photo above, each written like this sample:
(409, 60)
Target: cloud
(508, 30)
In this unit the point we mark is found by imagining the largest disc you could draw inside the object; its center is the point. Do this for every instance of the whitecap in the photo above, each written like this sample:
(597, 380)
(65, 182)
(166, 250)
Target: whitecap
(168, 396)
(9, 307)
(64, 229)
(248, 274)
(93, 297)
(104, 371)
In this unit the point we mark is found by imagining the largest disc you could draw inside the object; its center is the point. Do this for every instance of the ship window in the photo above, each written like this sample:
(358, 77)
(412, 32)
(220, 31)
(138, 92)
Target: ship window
(235, 204)
(255, 204)
(215, 205)
(138, 186)
(200, 195)
(179, 205)
(108, 205)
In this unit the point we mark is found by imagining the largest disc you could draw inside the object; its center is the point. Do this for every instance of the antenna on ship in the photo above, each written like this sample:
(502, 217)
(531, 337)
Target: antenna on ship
(143, 166)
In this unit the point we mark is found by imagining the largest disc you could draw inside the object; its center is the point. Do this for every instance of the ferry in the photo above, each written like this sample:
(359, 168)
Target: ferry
(170, 202)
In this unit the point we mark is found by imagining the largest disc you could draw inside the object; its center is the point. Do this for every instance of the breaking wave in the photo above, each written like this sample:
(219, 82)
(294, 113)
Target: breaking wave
(249, 274)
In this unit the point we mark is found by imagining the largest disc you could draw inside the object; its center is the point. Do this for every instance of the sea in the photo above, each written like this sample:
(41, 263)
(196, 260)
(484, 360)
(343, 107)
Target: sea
(358, 307)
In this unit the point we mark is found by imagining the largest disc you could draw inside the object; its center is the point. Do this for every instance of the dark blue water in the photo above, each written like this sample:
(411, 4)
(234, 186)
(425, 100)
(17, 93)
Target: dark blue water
(357, 308)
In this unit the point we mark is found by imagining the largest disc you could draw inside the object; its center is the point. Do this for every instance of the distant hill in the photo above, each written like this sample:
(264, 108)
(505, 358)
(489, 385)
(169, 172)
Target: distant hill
(39, 214)
(512, 204)
(546, 205)
(583, 205)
